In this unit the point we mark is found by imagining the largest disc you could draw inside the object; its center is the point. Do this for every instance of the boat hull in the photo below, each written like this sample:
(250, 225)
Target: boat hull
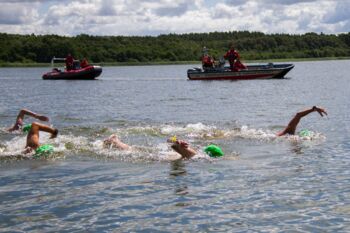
(269, 71)
(87, 73)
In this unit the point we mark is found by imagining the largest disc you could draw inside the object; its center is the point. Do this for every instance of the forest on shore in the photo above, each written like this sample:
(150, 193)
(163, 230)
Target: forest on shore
(171, 47)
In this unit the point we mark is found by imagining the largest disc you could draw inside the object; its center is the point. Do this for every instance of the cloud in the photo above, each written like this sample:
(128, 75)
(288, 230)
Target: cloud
(286, 2)
(267, 3)
(223, 11)
(154, 17)
(13, 14)
(176, 10)
(340, 13)
(236, 2)
(20, 1)
(107, 8)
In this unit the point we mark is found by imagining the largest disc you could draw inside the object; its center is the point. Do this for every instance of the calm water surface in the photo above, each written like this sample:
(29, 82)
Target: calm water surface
(262, 184)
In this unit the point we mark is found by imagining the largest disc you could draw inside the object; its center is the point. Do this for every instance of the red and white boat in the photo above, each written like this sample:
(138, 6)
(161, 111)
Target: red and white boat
(87, 73)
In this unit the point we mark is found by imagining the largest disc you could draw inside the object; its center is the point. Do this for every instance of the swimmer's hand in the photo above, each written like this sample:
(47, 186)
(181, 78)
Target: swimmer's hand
(19, 122)
(54, 134)
(321, 111)
(43, 118)
(17, 125)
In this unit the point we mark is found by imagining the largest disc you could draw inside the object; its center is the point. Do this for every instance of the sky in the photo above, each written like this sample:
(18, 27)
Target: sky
(155, 17)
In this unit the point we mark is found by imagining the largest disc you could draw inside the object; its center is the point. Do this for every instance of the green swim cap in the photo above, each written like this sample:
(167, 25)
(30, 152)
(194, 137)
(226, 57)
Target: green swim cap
(43, 150)
(305, 133)
(213, 151)
(27, 128)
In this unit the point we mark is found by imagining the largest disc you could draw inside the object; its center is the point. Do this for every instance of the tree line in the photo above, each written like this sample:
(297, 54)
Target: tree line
(171, 47)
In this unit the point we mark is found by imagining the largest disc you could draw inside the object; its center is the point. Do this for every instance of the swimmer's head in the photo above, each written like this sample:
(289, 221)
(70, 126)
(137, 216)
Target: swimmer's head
(27, 128)
(43, 151)
(213, 151)
(305, 133)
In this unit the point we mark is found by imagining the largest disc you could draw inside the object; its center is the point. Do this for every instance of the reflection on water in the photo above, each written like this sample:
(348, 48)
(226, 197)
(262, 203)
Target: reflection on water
(177, 168)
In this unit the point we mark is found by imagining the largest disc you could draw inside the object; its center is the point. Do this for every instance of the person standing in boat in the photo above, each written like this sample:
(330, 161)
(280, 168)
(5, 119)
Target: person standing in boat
(207, 61)
(69, 62)
(232, 55)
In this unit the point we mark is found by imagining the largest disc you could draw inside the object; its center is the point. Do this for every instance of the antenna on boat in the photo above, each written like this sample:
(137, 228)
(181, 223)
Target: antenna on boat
(52, 61)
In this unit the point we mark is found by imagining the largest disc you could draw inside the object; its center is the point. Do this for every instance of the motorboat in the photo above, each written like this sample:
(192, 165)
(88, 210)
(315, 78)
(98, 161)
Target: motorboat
(88, 72)
(265, 71)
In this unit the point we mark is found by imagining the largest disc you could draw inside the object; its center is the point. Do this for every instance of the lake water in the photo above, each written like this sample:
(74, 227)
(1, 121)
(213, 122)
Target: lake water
(262, 184)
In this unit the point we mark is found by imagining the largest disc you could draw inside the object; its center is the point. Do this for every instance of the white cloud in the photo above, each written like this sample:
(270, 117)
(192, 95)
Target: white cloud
(153, 17)
(285, 2)
(223, 11)
(339, 13)
(12, 14)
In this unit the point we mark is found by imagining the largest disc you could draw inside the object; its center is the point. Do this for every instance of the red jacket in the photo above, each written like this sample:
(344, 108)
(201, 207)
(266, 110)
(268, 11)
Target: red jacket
(207, 60)
(231, 55)
(69, 60)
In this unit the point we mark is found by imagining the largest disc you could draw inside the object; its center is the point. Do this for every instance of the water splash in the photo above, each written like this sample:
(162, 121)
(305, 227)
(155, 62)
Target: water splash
(89, 141)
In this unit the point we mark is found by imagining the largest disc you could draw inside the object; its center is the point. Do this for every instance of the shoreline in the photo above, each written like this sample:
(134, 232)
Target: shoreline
(34, 64)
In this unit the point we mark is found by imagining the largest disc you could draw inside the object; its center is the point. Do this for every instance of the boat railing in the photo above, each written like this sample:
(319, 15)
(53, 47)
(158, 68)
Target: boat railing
(60, 59)
(56, 59)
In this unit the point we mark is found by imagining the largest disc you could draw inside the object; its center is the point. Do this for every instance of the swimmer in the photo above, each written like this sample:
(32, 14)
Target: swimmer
(33, 135)
(19, 120)
(33, 129)
(187, 152)
(292, 125)
(114, 142)
(182, 148)
(179, 146)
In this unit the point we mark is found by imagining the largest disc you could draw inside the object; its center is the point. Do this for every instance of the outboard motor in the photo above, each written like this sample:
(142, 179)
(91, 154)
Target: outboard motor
(221, 63)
